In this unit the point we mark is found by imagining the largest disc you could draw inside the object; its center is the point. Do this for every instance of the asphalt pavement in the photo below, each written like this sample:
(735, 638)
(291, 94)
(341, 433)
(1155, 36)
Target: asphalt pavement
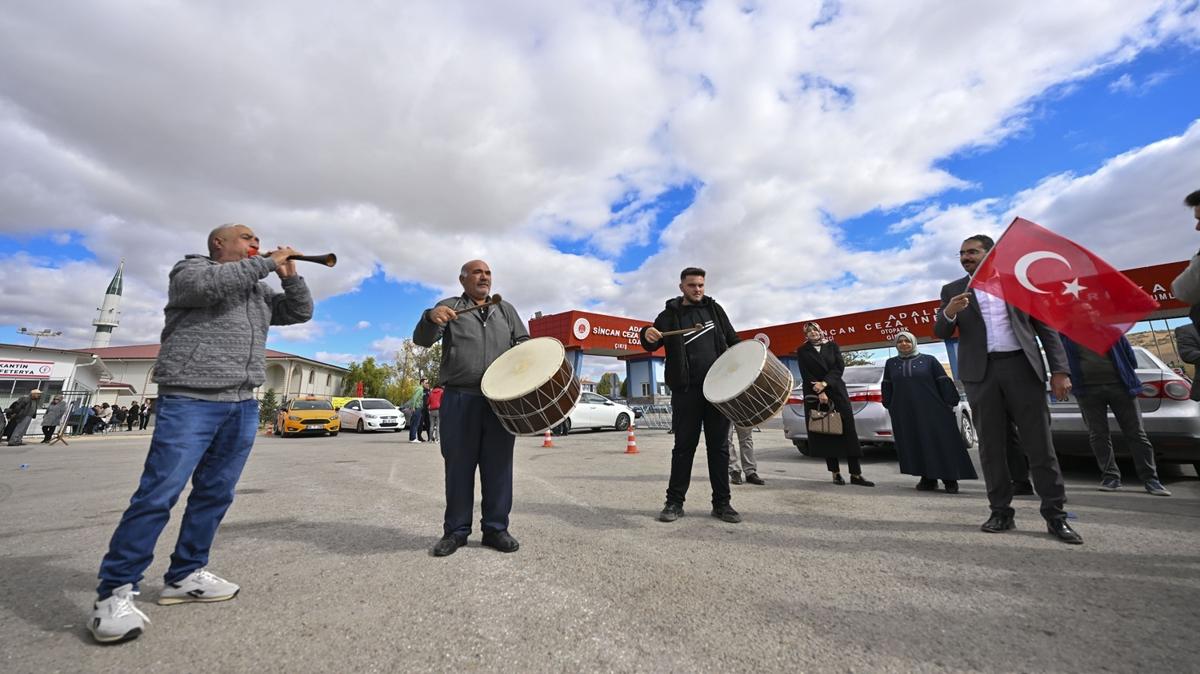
(329, 539)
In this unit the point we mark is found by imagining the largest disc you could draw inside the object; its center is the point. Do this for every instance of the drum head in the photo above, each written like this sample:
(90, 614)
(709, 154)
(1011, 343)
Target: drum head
(522, 368)
(734, 371)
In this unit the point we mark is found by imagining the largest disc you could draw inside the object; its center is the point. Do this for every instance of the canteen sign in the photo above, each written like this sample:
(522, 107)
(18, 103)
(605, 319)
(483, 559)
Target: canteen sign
(25, 369)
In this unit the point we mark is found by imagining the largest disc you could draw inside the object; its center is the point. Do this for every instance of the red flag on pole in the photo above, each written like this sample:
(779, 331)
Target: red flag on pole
(358, 390)
(1063, 285)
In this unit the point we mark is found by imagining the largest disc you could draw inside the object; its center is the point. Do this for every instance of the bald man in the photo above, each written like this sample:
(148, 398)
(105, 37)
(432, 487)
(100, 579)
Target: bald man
(212, 358)
(472, 437)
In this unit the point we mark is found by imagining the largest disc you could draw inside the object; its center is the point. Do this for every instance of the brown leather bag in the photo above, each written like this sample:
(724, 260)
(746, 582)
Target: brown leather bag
(827, 421)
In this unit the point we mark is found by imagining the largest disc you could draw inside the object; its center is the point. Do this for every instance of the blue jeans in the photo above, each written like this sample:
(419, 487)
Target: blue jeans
(208, 442)
(414, 429)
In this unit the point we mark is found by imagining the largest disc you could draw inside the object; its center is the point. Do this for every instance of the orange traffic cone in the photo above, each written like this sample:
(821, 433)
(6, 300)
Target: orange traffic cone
(546, 441)
(631, 444)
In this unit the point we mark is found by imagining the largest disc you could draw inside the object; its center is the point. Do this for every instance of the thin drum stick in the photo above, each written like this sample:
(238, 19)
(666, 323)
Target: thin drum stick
(492, 302)
(684, 331)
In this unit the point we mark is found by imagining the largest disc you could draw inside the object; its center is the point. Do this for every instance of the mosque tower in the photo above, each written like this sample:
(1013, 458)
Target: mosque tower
(109, 316)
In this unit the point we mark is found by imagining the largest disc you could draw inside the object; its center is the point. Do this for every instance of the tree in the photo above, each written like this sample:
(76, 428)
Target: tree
(609, 384)
(373, 376)
(268, 408)
(856, 358)
(625, 388)
(414, 363)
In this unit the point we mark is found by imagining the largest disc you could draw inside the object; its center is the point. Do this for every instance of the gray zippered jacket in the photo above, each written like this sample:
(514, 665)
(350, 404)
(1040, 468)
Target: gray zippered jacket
(217, 315)
(472, 342)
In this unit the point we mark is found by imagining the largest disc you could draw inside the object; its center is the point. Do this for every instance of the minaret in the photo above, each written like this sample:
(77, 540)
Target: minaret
(109, 313)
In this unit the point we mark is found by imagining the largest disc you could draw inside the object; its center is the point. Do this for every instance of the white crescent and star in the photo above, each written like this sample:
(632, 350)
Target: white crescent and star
(1021, 270)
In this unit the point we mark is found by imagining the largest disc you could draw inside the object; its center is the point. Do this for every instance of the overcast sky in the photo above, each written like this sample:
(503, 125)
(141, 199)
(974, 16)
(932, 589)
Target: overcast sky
(816, 157)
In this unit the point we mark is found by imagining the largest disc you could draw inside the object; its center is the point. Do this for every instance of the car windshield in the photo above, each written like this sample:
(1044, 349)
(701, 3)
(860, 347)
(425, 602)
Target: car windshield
(863, 374)
(312, 405)
(377, 405)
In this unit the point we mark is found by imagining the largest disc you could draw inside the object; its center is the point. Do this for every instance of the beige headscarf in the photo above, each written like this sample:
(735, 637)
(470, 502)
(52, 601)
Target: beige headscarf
(905, 333)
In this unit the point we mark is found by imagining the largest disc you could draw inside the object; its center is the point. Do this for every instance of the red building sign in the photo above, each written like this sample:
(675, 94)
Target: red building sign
(615, 336)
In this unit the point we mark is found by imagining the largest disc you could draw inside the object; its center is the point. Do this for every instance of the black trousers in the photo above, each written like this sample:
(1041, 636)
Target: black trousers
(1012, 390)
(472, 438)
(691, 412)
(852, 463)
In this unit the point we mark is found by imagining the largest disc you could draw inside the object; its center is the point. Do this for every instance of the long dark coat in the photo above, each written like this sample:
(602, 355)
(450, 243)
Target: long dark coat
(920, 399)
(826, 365)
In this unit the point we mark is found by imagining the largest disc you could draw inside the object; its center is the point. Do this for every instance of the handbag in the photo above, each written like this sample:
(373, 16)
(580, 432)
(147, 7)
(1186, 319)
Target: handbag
(827, 421)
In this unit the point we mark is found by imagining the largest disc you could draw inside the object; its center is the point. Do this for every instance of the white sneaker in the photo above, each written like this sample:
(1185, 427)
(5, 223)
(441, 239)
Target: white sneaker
(117, 618)
(415, 440)
(200, 585)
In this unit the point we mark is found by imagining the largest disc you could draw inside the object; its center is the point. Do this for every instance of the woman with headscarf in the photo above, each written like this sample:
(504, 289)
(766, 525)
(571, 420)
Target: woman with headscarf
(920, 399)
(821, 368)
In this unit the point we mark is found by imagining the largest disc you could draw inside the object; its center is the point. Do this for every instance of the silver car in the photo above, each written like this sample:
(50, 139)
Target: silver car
(871, 420)
(1171, 418)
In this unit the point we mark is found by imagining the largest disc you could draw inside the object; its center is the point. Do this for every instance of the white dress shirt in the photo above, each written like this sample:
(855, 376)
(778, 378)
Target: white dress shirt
(1000, 335)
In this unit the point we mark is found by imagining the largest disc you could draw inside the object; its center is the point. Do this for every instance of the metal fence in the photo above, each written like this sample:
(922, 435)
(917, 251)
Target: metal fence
(655, 416)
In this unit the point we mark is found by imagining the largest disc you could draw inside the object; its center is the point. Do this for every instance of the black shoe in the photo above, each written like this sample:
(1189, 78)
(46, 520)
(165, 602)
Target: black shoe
(501, 540)
(670, 512)
(951, 486)
(926, 484)
(997, 523)
(726, 513)
(1022, 489)
(753, 478)
(1063, 532)
(448, 544)
(735, 478)
(837, 479)
(861, 481)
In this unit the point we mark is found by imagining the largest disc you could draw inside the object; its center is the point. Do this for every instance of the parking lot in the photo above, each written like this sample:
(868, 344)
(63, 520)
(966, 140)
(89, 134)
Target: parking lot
(329, 540)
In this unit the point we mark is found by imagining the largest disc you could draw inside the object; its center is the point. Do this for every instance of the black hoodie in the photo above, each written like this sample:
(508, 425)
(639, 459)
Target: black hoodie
(678, 372)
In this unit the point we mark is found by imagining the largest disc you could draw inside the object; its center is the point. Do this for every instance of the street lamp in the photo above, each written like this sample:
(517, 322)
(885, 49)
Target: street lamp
(38, 334)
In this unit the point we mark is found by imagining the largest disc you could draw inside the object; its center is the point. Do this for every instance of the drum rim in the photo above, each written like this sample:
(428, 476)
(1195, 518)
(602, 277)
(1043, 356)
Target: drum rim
(483, 382)
(762, 361)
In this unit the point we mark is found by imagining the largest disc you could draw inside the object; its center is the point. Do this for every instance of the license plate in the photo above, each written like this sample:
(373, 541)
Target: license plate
(388, 423)
(316, 425)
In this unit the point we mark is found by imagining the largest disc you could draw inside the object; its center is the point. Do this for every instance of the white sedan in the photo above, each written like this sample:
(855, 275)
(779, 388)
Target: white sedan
(370, 414)
(596, 412)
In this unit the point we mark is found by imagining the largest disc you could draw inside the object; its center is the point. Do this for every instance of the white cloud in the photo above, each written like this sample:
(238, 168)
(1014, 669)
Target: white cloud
(363, 325)
(386, 348)
(409, 137)
(338, 358)
(1122, 84)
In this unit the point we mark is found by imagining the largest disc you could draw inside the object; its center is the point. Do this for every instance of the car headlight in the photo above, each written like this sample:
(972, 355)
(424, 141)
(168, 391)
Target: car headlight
(293, 418)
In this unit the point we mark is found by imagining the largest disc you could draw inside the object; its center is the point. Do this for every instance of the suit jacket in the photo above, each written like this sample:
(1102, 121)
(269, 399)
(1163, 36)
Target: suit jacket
(1189, 350)
(972, 336)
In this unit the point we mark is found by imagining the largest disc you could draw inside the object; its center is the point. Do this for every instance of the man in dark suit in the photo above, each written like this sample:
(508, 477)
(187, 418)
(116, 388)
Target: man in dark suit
(1188, 339)
(1002, 370)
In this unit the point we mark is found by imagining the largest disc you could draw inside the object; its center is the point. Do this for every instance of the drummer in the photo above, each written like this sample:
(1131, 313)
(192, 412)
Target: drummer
(472, 436)
(689, 358)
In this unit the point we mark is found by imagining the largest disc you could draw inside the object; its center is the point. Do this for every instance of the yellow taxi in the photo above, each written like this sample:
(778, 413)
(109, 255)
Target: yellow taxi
(301, 416)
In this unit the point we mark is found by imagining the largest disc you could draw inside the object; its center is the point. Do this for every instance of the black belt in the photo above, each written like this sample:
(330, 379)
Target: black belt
(1001, 355)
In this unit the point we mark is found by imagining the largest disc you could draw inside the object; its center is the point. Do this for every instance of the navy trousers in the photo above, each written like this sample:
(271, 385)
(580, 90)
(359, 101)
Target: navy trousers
(472, 438)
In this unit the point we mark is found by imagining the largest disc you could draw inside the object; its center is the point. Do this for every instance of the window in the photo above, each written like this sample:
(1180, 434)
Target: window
(328, 380)
(645, 388)
(311, 374)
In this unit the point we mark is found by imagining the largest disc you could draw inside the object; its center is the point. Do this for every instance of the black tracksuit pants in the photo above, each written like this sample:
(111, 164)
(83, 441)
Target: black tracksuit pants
(690, 413)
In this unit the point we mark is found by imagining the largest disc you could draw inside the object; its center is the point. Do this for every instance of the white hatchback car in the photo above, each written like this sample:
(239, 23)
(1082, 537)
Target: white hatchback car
(370, 414)
(596, 412)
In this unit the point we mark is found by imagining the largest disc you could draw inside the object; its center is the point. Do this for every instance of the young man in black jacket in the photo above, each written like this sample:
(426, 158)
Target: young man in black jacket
(689, 356)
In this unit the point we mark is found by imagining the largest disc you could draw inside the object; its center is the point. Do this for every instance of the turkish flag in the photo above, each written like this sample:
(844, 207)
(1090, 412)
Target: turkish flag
(1063, 285)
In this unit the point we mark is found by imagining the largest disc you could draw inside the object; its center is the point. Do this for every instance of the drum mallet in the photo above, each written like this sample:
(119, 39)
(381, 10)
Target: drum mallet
(492, 301)
(683, 331)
